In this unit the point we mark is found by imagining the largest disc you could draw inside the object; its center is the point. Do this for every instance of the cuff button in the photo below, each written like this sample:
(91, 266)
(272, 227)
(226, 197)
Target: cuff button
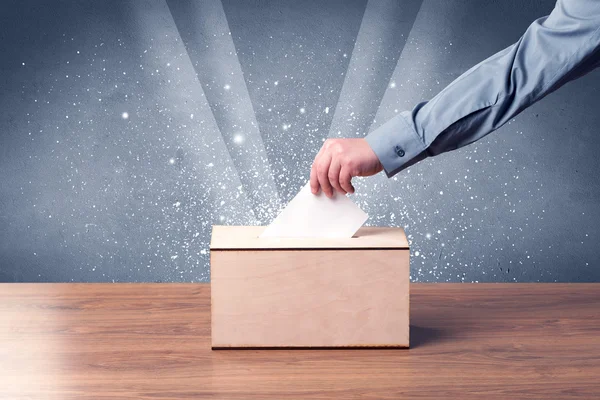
(399, 151)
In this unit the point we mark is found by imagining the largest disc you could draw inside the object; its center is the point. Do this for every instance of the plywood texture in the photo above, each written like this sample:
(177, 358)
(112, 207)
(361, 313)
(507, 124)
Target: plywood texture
(247, 237)
(152, 342)
(311, 297)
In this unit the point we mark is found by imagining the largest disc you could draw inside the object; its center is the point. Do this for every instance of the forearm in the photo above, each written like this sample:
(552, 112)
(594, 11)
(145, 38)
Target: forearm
(553, 51)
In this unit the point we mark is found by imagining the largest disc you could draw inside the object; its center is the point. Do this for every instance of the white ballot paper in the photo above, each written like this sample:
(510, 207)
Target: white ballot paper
(309, 215)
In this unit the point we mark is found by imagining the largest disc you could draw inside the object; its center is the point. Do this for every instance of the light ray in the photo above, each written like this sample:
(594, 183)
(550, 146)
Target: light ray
(294, 56)
(383, 33)
(204, 187)
(205, 32)
(433, 199)
(167, 60)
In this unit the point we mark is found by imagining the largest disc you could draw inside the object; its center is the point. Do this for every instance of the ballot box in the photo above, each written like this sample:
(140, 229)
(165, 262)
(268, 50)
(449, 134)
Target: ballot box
(309, 292)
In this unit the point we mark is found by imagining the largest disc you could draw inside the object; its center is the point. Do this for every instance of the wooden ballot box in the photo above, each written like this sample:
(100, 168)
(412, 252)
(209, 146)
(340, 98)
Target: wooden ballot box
(309, 292)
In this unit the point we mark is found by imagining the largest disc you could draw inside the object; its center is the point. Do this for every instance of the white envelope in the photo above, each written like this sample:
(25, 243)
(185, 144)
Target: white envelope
(309, 215)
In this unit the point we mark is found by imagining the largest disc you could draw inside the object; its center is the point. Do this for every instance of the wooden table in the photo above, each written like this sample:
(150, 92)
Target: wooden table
(152, 341)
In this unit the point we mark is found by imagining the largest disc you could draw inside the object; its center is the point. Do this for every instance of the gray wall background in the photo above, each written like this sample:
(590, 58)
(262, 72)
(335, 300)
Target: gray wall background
(129, 128)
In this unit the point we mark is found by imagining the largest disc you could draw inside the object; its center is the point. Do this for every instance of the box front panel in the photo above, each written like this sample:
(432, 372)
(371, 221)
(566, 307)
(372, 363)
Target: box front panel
(310, 298)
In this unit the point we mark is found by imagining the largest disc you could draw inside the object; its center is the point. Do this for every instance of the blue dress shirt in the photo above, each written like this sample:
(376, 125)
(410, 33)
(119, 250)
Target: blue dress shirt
(554, 50)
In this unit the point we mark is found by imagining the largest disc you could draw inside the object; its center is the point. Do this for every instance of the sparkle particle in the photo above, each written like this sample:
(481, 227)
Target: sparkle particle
(238, 138)
(125, 115)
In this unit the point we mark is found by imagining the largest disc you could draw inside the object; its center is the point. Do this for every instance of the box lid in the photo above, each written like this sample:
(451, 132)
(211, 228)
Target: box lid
(247, 238)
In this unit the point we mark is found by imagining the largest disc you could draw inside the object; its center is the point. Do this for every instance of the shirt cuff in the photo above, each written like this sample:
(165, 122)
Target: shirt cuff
(396, 143)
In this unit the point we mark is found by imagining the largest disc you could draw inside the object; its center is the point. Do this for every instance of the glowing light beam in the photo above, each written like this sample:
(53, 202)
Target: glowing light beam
(383, 32)
(205, 31)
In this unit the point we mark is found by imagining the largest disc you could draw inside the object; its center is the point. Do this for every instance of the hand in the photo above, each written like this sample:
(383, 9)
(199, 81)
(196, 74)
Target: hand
(338, 161)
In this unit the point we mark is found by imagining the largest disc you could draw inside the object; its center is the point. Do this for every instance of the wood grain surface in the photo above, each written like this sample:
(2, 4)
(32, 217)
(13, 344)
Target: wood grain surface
(151, 341)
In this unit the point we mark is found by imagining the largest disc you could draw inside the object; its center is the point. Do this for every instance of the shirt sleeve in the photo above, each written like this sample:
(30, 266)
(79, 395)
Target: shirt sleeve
(554, 50)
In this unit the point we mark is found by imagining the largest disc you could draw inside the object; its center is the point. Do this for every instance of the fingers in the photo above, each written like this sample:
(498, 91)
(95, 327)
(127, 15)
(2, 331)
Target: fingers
(330, 172)
(322, 174)
(346, 180)
(314, 179)
(334, 175)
